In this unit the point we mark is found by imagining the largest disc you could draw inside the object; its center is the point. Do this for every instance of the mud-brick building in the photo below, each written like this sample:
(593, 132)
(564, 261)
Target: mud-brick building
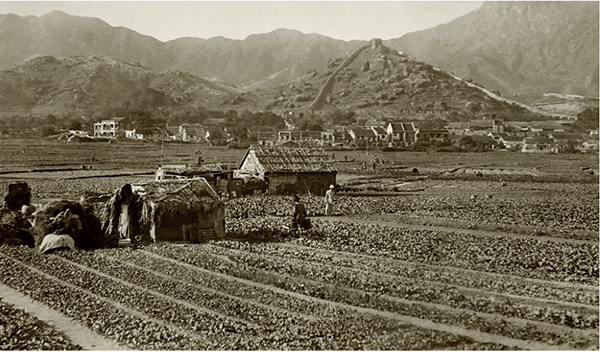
(289, 170)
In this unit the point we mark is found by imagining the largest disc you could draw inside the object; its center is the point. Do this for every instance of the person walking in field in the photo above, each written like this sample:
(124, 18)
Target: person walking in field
(329, 198)
(299, 216)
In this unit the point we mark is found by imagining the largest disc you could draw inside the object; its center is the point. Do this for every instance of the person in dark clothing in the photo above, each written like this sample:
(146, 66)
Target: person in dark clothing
(299, 216)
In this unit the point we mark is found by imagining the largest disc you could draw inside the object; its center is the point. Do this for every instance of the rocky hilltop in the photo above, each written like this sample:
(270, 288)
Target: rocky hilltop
(386, 83)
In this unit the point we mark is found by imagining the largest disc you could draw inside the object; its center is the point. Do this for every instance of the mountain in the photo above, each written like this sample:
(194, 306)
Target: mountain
(46, 85)
(534, 52)
(274, 58)
(521, 49)
(278, 56)
(376, 81)
(373, 81)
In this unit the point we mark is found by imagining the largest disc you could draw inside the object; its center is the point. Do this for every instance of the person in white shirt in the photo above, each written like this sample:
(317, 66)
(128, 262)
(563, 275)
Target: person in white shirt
(329, 200)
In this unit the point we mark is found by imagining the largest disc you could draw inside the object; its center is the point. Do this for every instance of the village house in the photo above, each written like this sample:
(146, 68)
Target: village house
(301, 138)
(568, 141)
(485, 142)
(438, 135)
(401, 133)
(381, 135)
(254, 132)
(289, 170)
(589, 146)
(539, 145)
(132, 134)
(536, 128)
(266, 138)
(362, 135)
(512, 142)
(108, 128)
(192, 132)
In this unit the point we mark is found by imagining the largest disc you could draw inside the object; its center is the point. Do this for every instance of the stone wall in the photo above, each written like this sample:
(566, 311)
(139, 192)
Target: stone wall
(319, 100)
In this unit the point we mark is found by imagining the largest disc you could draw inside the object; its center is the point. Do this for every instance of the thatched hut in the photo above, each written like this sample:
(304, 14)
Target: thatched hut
(289, 170)
(168, 210)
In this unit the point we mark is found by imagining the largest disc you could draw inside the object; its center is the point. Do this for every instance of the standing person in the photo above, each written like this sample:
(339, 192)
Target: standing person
(299, 212)
(329, 200)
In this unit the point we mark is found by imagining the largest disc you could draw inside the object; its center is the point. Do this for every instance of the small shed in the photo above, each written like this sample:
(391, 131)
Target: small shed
(289, 170)
(186, 210)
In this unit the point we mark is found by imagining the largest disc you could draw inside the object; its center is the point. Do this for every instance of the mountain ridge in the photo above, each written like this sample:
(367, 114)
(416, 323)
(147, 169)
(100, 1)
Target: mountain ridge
(283, 55)
(523, 49)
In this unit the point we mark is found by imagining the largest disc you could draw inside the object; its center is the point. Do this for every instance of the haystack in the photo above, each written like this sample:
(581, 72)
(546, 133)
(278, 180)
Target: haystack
(18, 195)
(65, 217)
(168, 210)
(14, 229)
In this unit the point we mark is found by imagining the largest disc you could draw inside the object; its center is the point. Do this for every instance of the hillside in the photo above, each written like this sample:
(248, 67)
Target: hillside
(522, 49)
(373, 81)
(376, 80)
(54, 85)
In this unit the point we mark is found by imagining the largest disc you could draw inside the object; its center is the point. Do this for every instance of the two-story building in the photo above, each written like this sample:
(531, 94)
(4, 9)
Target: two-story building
(401, 133)
(109, 128)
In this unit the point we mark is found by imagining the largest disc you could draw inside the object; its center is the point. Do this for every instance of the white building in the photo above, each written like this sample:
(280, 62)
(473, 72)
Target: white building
(108, 128)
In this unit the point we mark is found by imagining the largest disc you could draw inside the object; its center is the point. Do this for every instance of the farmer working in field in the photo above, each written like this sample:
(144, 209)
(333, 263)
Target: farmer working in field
(299, 213)
(329, 200)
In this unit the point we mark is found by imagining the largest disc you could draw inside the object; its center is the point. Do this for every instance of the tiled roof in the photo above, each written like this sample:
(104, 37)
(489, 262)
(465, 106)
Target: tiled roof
(289, 159)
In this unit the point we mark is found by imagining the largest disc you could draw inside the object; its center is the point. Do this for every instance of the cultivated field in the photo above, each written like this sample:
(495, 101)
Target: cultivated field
(436, 259)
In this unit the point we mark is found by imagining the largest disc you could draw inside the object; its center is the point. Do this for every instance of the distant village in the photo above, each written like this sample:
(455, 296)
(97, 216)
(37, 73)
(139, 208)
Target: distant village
(527, 137)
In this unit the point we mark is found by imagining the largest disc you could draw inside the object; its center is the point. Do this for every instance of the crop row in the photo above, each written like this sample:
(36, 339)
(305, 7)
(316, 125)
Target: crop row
(270, 319)
(21, 331)
(100, 316)
(410, 289)
(327, 319)
(156, 306)
(527, 211)
(197, 255)
(230, 286)
(415, 271)
(343, 332)
(524, 257)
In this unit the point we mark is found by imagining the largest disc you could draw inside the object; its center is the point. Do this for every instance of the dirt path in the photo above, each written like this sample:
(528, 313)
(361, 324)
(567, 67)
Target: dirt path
(77, 333)
(449, 229)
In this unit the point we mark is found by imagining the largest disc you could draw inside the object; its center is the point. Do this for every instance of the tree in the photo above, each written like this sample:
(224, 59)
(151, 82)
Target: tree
(75, 125)
(51, 119)
(48, 131)
(587, 119)
(341, 117)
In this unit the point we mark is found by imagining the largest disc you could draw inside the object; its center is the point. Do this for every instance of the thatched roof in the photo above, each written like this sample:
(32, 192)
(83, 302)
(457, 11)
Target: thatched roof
(135, 207)
(190, 191)
(192, 170)
(290, 159)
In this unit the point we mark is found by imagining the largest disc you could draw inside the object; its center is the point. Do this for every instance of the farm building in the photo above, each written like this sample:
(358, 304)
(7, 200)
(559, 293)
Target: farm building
(169, 210)
(289, 170)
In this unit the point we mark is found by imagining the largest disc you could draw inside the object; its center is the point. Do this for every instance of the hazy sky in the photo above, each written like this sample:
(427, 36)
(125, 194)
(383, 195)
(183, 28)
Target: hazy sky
(346, 20)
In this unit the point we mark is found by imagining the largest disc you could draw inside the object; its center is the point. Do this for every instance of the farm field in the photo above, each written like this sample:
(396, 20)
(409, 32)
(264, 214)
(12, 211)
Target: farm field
(439, 259)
